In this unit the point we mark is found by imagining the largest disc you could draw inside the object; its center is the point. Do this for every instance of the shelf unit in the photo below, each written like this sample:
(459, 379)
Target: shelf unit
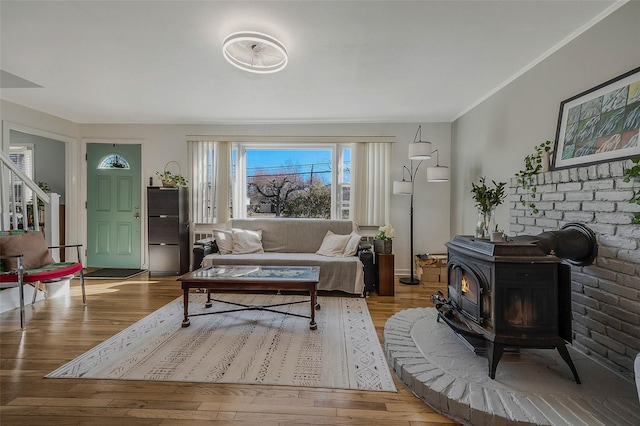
(168, 226)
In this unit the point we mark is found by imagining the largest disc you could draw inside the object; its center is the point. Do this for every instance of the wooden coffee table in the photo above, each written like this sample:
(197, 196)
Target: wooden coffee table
(252, 278)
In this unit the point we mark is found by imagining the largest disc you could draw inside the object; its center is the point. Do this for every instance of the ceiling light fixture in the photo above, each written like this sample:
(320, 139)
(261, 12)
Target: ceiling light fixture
(255, 52)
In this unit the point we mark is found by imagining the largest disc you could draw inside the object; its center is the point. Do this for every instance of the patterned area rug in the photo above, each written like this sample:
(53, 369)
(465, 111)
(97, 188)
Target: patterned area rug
(248, 347)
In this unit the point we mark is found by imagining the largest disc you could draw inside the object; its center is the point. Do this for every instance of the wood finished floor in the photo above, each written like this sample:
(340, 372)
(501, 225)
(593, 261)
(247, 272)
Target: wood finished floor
(60, 329)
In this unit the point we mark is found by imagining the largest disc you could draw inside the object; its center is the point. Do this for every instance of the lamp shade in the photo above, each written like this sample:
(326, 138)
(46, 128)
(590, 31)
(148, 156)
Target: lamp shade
(420, 151)
(437, 174)
(402, 187)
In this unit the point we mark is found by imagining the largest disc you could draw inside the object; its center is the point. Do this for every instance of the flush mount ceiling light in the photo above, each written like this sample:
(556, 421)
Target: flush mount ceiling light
(255, 52)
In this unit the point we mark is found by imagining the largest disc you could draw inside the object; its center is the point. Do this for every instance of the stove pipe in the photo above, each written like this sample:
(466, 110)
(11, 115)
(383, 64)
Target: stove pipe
(574, 243)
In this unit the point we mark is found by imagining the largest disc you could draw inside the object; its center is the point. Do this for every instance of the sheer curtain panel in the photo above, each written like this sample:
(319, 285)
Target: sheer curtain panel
(371, 183)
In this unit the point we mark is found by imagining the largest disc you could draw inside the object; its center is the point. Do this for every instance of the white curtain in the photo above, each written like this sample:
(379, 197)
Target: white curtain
(371, 183)
(202, 198)
(223, 181)
(209, 163)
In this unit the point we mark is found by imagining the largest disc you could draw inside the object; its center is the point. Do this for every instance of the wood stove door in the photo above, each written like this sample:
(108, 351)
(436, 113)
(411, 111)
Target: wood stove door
(466, 289)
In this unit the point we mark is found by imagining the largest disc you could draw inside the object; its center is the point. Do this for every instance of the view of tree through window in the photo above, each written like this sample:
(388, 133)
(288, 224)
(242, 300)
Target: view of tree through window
(290, 182)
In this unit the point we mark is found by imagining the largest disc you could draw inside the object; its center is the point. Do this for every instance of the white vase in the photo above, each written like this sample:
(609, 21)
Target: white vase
(546, 161)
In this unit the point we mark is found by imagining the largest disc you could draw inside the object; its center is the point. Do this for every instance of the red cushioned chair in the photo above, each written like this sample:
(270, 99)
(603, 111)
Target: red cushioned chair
(51, 272)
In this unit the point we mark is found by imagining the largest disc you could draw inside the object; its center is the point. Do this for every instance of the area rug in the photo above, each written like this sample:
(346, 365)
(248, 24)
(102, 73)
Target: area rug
(110, 273)
(246, 347)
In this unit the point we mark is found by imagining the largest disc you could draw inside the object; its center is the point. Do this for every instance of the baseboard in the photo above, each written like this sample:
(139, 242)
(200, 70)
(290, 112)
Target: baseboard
(10, 297)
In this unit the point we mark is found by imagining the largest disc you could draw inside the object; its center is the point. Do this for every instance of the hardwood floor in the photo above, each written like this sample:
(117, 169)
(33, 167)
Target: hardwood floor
(60, 329)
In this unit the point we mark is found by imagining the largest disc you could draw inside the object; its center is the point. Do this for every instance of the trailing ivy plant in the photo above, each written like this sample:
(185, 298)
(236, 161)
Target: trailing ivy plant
(527, 177)
(633, 174)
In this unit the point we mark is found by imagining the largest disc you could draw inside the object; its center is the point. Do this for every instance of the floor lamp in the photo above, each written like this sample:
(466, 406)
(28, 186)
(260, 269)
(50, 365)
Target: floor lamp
(418, 150)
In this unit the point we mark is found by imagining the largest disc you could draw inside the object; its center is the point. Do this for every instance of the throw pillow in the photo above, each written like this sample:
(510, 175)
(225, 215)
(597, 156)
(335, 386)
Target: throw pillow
(224, 240)
(333, 245)
(351, 249)
(245, 241)
(31, 245)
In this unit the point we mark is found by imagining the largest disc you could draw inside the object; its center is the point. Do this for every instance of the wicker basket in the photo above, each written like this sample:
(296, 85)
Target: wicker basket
(170, 183)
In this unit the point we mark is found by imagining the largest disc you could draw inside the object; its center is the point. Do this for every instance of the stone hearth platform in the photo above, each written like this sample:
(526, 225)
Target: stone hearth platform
(532, 387)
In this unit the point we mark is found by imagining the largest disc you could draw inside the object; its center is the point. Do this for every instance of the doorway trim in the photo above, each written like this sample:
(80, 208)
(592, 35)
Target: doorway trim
(83, 189)
(70, 182)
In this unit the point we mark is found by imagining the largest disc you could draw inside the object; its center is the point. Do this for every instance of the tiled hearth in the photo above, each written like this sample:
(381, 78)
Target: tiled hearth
(531, 387)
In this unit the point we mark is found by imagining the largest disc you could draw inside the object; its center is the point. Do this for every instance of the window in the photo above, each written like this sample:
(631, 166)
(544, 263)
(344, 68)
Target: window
(22, 156)
(267, 176)
(114, 161)
(296, 181)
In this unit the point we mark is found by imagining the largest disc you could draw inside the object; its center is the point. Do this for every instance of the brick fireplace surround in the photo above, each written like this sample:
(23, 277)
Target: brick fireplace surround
(536, 386)
(606, 294)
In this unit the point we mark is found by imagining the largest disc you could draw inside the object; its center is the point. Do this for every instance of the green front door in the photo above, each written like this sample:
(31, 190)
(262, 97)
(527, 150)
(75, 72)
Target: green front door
(113, 205)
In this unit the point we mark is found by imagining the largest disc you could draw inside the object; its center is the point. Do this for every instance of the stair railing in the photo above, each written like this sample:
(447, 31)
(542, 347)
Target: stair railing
(11, 204)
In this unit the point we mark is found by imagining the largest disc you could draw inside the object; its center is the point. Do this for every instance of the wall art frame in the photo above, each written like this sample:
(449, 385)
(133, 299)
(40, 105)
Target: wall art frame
(601, 124)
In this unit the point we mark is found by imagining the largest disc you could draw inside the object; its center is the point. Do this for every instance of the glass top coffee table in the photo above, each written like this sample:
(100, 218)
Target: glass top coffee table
(252, 278)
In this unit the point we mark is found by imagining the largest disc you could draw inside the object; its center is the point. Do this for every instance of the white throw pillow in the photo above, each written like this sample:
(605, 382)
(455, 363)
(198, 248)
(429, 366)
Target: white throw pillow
(352, 246)
(245, 241)
(224, 240)
(333, 244)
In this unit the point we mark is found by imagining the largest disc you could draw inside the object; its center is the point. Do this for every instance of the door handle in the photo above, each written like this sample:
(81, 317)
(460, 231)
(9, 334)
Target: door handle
(136, 216)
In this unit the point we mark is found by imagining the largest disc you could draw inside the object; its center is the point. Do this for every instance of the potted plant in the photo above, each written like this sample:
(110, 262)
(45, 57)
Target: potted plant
(533, 164)
(497, 234)
(487, 199)
(171, 180)
(382, 242)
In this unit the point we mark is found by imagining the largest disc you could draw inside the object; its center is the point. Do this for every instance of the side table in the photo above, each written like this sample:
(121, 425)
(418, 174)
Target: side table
(385, 270)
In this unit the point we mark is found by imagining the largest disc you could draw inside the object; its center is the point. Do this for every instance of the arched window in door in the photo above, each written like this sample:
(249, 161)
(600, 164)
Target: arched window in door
(114, 161)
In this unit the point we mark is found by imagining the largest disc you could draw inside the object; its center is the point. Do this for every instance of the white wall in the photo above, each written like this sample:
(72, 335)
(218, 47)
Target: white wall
(49, 160)
(163, 143)
(492, 139)
(25, 120)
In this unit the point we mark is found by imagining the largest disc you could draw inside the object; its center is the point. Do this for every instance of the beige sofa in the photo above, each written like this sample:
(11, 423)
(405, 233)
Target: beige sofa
(294, 242)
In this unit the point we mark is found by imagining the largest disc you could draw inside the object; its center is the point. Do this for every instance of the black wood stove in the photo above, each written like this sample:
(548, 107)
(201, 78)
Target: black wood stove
(517, 293)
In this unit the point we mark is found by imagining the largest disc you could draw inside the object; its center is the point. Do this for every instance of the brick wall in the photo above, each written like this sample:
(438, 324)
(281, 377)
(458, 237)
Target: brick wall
(606, 294)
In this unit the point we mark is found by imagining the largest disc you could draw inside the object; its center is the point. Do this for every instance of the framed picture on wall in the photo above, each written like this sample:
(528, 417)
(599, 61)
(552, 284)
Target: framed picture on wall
(601, 124)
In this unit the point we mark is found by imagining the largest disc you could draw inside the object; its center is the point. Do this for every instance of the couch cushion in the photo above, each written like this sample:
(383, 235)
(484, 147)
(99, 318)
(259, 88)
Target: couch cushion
(351, 249)
(333, 245)
(246, 241)
(31, 245)
(224, 241)
(293, 235)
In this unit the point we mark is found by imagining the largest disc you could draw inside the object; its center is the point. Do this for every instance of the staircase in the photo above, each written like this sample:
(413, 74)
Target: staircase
(14, 185)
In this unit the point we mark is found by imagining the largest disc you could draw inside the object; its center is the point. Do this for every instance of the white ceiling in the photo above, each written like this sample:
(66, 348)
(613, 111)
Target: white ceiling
(356, 61)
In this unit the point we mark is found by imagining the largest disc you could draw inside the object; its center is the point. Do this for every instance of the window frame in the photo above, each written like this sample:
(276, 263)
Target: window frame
(239, 185)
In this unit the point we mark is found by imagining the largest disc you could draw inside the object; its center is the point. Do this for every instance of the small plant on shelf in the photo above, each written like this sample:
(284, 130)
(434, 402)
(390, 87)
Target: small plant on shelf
(632, 174)
(171, 180)
(533, 164)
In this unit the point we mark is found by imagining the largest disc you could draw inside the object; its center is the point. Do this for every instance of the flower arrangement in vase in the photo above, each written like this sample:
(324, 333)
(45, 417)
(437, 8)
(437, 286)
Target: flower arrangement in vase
(382, 242)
